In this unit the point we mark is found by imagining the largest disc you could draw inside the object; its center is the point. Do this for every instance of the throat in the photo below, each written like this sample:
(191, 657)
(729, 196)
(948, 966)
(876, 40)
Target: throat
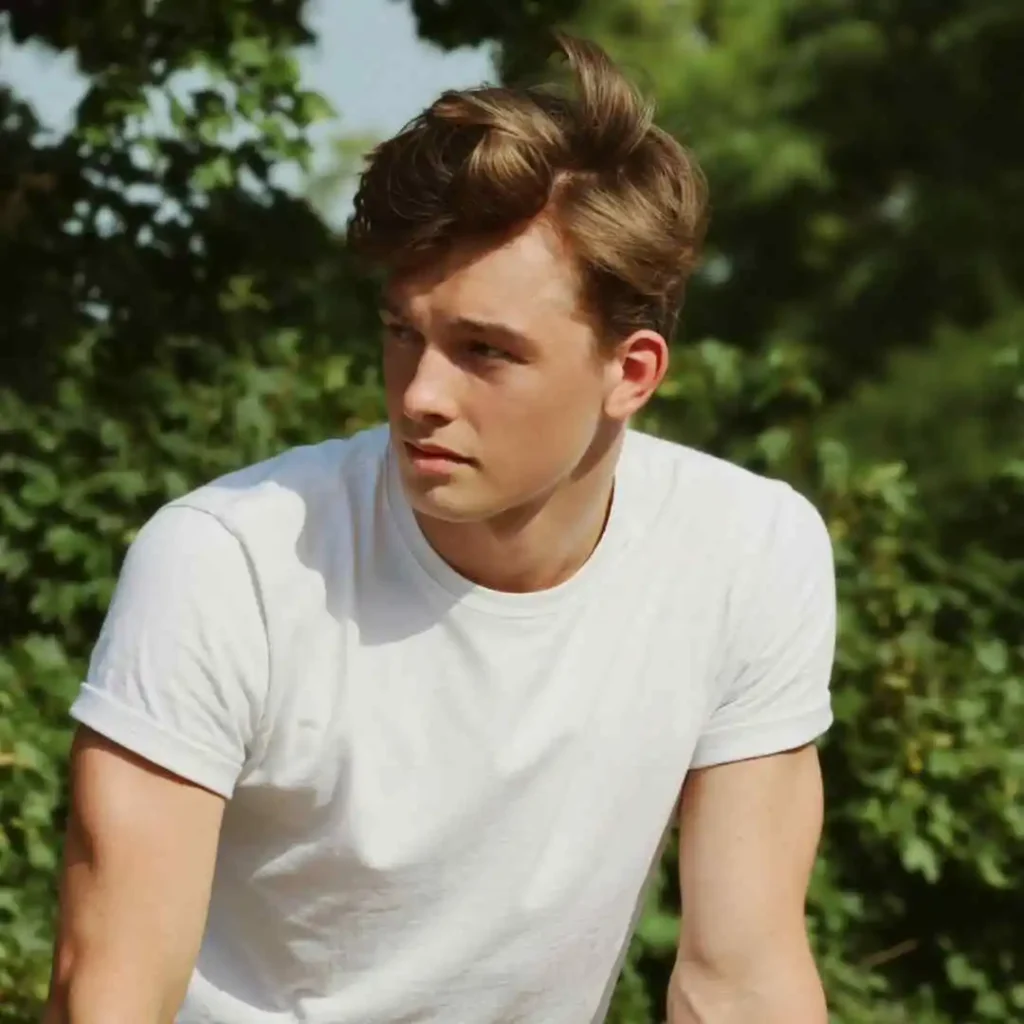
(523, 551)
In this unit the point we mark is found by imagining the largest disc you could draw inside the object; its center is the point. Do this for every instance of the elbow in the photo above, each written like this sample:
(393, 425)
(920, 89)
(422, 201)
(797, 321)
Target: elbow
(789, 993)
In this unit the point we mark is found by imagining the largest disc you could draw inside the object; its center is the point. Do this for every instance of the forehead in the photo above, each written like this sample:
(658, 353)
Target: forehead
(520, 280)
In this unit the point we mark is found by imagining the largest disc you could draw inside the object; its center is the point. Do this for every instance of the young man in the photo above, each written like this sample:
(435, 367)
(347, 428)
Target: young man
(390, 729)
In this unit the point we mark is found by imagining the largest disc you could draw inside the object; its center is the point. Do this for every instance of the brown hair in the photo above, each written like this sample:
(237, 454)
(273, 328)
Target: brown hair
(628, 198)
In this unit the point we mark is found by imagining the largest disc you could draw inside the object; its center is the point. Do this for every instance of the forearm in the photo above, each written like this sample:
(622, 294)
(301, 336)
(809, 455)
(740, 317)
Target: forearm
(784, 994)
(95, 989)
(112, 968)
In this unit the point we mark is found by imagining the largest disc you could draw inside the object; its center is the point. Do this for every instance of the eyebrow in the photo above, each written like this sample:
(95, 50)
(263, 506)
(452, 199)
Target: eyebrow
(497, 330)
(493, 328)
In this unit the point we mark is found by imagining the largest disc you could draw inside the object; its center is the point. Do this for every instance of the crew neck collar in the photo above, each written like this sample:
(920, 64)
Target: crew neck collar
(438, 573)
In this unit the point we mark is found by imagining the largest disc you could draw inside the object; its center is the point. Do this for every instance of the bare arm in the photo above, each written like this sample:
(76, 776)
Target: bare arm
(749, 835)
(138, 866)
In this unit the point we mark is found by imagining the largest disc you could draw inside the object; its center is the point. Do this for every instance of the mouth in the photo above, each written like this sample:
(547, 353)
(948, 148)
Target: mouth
(434, 457)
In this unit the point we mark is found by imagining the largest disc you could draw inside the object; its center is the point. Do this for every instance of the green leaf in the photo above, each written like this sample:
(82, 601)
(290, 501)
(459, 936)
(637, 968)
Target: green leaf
(919, 856)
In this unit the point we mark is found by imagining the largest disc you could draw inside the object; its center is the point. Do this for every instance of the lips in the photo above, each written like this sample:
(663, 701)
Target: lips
(433, 451)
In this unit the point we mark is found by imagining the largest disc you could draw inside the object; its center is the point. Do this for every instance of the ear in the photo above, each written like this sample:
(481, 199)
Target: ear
(635, 371)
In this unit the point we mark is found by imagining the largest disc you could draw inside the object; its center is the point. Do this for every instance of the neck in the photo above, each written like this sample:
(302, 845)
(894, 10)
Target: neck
(540, 544)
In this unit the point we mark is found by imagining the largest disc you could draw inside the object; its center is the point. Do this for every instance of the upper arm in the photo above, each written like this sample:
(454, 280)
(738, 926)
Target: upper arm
(749, 833)
(138, 863)
(170, 711)
(752, 806)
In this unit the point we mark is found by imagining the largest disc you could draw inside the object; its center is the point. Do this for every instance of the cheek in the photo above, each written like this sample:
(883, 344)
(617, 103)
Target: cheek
(543, 424)
(395, 372)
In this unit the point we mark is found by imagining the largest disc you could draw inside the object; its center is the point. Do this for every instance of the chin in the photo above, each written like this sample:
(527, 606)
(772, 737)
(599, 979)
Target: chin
(453, 500)
(447, 505)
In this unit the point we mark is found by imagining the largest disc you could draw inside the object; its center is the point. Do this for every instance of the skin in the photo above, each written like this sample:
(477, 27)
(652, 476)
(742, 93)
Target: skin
(748, 837)
(535, 402)
(537, 409)
(138, 866)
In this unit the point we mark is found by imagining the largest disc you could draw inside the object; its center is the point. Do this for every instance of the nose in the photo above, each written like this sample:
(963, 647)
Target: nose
(429, 396)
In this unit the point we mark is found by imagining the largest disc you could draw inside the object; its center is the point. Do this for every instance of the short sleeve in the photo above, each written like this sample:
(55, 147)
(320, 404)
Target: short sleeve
(179, 671)
(775, 693)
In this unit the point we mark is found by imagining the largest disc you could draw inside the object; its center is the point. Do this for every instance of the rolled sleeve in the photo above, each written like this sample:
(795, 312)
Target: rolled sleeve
(776, 692)
(179, 672)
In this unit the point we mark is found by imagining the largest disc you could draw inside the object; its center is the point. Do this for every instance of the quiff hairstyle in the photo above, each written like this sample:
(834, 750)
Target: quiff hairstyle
(477, 164)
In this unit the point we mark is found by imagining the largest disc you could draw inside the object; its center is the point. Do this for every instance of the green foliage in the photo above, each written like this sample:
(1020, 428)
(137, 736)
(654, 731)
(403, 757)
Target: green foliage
(36, 683)
(966, 388)
(173, 314)
(864, 165)
(165, 195)
(521, 26)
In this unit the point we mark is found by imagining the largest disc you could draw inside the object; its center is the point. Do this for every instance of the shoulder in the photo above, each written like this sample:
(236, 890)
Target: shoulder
(714, 503)
(273, 501)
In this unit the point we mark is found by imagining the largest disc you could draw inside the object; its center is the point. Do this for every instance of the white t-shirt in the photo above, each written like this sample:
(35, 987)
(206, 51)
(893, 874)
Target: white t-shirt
(445, 801)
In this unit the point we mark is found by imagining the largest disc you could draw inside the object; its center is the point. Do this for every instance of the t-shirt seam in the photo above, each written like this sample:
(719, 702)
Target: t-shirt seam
(761, 724)
(210, 753)
(724, 746)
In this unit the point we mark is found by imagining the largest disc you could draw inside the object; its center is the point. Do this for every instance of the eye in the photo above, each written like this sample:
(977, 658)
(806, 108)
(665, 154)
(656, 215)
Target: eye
(481, 350)
(400, 332)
